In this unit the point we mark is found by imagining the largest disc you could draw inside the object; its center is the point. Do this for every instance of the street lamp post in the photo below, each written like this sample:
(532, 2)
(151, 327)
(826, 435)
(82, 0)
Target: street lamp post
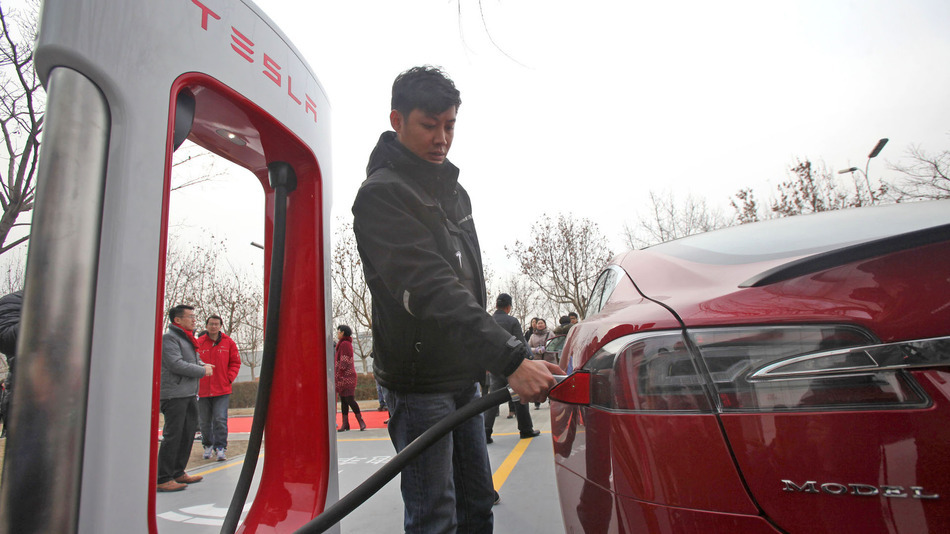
(873, 154)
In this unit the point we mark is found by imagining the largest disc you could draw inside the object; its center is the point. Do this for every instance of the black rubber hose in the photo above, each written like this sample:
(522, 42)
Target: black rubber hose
(283, 181)
(335, 513)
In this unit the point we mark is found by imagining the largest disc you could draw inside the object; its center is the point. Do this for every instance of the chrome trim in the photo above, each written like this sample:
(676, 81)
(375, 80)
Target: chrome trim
(44, 453)
(919, 353)
(860, 490)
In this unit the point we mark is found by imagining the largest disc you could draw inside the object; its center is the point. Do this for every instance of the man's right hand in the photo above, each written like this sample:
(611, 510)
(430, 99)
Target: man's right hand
(533, 379)
(209, 369)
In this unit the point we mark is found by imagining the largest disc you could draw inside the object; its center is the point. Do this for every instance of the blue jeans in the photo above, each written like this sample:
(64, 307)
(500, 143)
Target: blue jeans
(379, 393)
(448, 488)
(213, 418)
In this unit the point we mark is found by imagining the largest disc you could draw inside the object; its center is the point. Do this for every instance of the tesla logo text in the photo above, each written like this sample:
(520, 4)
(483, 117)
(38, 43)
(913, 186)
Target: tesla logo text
(862, 490)
(244, 47)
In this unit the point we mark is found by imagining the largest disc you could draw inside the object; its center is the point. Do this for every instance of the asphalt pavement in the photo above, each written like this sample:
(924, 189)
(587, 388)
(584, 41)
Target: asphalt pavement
(523, 474)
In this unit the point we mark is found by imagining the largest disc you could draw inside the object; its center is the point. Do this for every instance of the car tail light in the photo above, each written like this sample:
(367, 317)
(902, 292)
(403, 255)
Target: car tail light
(647, 372)
(574, 389)
(813, 367)
(761, 368)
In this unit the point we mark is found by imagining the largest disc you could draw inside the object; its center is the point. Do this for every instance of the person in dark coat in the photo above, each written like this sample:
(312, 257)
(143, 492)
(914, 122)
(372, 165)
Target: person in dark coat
(564, 326)
(504, 319)
(10, 307)
(344, 371)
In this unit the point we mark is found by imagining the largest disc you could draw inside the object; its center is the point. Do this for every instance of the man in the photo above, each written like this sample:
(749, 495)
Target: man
(181, 369)
(433, 338)
(214, 392)
(512, 325)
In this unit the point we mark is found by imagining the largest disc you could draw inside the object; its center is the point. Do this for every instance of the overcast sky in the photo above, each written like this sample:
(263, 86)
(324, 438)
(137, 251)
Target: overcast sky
(586, 106)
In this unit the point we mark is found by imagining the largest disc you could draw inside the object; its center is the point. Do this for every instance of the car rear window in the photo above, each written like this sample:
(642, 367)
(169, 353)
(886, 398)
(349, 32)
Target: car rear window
(806, 234)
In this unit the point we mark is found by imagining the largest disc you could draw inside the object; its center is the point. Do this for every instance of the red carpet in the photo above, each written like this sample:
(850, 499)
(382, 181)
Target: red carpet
(374, 419)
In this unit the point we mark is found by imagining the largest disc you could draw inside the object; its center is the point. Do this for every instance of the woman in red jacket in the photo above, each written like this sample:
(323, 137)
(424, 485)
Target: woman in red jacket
(345, 374)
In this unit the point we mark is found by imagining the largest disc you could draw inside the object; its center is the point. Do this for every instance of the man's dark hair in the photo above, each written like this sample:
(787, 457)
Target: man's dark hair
(564, 319)
(347, 331)
(503, 301)
(218, 317)
(178, 311)
(426, 88)
(572, 314)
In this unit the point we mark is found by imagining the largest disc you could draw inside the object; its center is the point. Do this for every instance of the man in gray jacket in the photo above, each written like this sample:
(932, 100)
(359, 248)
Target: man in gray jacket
(181, 370)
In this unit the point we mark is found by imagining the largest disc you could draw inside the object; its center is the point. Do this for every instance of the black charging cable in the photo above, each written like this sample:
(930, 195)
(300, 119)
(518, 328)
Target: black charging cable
(340, 509)
(283, 181)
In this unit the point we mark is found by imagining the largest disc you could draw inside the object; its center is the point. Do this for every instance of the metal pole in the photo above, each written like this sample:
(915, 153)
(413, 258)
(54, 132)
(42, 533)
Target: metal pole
(42, 472)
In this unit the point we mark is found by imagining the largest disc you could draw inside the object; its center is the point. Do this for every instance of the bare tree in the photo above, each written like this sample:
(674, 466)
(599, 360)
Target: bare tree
(491, 291)
(13, 274)
(927, 176)
(526, 299)
(746, 206)
(810, 188)
(196, 277)
(186, 273)
(193, 165)
(563, 259)
(21, 117)
(250, 338)
(671, 218)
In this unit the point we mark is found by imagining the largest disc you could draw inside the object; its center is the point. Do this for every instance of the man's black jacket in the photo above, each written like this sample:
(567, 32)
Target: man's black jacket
(510, 323)
(417, 241)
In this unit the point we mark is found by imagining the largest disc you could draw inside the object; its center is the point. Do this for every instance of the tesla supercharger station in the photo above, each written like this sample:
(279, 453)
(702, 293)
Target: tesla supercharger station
(120, 74)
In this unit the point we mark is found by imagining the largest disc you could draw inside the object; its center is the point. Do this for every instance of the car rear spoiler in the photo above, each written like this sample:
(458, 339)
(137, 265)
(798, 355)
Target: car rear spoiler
(849, 254)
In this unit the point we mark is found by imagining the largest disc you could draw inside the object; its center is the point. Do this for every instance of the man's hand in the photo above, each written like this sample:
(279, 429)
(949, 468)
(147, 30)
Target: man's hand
(209, 369)
(533, 379)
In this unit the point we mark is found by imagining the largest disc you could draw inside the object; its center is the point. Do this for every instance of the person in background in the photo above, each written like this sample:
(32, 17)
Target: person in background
(503, 317)
(538, 339)
(536, 343)
(10, 307)
(564, 326)
(530, 330)
(214, 392)
(181, 370)
(344, 371)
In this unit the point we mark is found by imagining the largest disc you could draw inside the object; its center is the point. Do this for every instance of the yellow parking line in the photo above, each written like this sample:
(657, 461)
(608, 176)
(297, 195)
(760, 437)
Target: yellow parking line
(498, 478)
(220, 467)
(501, 474)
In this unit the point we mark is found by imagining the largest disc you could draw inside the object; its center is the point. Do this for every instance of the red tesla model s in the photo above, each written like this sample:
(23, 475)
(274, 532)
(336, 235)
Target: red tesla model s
(791, 375)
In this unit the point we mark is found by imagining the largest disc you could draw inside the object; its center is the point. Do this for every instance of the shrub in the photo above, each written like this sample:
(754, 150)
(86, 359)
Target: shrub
(366, 387)
(243, 395)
